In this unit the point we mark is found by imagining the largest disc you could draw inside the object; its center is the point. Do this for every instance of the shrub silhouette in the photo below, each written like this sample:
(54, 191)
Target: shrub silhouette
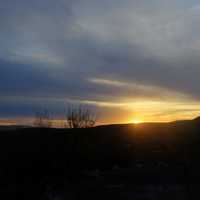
(43, 119)
(80, 118)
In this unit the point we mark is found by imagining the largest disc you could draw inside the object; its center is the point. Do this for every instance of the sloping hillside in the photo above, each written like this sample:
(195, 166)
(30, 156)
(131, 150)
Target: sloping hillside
(115, 161)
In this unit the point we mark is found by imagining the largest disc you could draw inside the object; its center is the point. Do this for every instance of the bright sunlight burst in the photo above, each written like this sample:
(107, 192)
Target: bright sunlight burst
(137, 121)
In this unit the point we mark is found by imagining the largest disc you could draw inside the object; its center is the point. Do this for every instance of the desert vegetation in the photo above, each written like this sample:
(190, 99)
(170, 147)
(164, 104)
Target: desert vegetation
(75, 117)
(43, 119)
(80, 117)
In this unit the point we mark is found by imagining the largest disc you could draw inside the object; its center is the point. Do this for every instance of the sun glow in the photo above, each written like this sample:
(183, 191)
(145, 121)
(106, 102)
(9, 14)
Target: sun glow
(137, 121)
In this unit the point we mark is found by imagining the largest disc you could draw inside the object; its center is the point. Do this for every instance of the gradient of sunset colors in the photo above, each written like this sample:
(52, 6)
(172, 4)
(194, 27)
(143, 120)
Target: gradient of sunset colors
(130, 61)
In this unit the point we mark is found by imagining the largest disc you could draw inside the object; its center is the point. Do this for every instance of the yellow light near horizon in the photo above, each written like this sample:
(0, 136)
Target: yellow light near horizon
(137, 121)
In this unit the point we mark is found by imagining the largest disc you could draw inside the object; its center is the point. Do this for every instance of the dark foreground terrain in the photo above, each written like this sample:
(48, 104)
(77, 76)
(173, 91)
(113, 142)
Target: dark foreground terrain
(121, 162)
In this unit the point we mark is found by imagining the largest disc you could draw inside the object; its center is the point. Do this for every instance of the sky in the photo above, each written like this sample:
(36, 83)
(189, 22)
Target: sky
(127, 60)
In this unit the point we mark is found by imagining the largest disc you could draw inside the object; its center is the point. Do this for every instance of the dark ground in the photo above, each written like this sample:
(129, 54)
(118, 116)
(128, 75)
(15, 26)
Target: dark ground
(121, 162)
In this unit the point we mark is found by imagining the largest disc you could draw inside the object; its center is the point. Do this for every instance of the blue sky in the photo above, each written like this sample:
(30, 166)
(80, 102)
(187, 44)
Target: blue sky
(126, 59)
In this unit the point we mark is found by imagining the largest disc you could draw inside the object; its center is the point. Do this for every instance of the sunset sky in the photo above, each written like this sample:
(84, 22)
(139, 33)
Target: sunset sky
(128, 60)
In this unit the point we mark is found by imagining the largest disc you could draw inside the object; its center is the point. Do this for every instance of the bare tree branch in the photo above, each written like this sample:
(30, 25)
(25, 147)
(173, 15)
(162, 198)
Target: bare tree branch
(80, 118)
(43, 119)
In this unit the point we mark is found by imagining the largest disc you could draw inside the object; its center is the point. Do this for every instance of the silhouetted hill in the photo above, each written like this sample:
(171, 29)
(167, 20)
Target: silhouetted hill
(12, 127)
(105, 161)
(197, 119)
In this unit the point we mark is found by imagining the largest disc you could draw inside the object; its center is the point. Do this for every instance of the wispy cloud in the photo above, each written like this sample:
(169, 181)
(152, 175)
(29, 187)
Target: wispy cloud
(106, 54)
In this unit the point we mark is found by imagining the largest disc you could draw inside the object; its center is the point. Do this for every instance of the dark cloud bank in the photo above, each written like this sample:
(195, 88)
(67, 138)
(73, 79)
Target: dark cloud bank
(51, 52)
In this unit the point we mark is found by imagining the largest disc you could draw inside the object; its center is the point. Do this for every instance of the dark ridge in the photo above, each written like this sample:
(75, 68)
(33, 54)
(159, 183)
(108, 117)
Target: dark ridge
(12, 127)
(105, 162)
(197, 119)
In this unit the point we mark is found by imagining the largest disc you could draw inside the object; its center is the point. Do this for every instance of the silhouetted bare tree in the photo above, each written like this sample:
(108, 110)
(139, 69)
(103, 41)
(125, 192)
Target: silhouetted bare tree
(43, 119)
(80, 117)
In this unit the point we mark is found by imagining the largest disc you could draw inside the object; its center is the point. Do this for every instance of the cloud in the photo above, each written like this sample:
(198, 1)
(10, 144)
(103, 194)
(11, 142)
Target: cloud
(135, 90)
(99, 53)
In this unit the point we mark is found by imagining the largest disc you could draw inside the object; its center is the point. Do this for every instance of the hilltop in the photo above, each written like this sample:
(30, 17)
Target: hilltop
(43, 162)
